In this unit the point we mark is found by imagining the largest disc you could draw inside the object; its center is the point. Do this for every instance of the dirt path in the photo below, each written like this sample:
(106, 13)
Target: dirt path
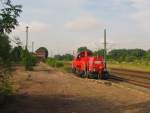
(50, 91)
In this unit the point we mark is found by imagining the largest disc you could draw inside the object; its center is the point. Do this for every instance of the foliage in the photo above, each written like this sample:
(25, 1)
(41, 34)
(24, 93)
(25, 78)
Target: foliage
(59, 64)
(4, 49)
(100, 52)
(128, 55)
(28, 59)
(43, 49)
(55, 63)
(80, 49)
(8, 22)
(6, 88)
(16, 54)
(66, 57)
(51, 62)
(147, 55)
(8, 16)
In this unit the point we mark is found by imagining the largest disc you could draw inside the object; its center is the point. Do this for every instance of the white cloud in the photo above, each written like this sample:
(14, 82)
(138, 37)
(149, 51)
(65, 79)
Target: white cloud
(84, 23)
(142, 14)
(66, 4)
(137, 1)
(142, 18)
(132, 2)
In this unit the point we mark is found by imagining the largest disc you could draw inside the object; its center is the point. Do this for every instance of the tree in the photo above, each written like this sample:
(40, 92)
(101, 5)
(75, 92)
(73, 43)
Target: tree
(29, 60)
(43, 49)
(68, 57)
(80, 49)
(16, 54)
(4, 50)
(99, 52)
(58, 57)
(8, 22)
(147, 55)
(8, 16)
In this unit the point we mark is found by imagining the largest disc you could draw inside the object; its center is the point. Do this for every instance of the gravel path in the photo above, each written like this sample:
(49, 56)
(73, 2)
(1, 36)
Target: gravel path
(46, 90)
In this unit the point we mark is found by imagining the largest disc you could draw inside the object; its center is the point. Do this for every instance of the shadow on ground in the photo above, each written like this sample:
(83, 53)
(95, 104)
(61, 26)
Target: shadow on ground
(67, 104)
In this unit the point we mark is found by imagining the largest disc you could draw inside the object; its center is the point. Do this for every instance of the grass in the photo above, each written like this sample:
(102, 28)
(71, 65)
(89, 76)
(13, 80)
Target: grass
(137, 66)
(131, 66)
(64, 66)
(55, 63)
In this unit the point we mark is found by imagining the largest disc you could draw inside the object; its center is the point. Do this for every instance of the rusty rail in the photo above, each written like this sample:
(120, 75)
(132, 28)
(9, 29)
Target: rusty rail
(138, 78)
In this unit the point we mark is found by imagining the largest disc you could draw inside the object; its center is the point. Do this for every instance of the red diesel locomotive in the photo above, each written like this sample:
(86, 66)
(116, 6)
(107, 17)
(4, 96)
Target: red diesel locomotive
(87, 65)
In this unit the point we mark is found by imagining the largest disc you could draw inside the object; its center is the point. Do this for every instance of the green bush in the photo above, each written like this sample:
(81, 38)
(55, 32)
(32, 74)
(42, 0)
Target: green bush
(59, 64)
(51, 62)
(34, 60)
(28, 60)
(6, 88)
(54, 63)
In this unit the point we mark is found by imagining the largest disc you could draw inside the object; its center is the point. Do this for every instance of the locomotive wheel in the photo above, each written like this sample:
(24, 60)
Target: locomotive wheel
(106, 75)
(86, 74)
(100, 75)
(82, 74)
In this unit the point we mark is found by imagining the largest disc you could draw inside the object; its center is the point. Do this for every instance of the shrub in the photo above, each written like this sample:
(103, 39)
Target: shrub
(6, 88)
(51, 62)
(34, 60)
(54, 63)
(59, 64)
(28, 60)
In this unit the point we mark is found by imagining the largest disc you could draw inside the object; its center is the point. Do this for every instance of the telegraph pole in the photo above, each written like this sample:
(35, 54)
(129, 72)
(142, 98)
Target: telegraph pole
(27, 35)
(105, 48)
(32, 46)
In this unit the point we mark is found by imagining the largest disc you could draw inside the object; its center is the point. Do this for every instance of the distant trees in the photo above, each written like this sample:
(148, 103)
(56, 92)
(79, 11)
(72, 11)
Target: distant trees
(99, 52)
(147, 55)
(128, 55)
(80, 49)
(45, 50)
(122, 55)
(66, 57)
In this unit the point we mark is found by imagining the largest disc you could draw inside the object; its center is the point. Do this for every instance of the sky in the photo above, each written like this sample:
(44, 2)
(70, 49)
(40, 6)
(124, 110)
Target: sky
(64, 25)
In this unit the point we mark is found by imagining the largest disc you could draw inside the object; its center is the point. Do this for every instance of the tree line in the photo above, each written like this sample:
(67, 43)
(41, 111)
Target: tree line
(120, 55)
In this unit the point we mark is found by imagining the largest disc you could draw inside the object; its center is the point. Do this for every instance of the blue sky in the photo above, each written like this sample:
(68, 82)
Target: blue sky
(64, 25)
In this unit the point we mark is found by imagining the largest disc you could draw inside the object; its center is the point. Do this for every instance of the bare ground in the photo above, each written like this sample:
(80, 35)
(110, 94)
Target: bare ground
(46, 90)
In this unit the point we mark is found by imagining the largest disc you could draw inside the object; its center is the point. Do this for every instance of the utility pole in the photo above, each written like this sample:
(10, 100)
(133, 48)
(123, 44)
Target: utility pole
(32, 46)
(105, 49)
(27, 35)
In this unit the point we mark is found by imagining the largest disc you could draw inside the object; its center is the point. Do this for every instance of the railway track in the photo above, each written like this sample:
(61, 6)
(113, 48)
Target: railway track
(138, 78)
